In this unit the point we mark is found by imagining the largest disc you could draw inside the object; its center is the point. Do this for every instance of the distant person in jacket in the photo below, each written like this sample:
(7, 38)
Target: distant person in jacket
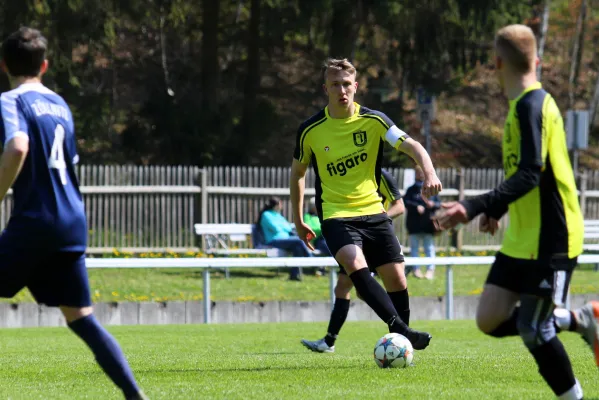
(419, 224)
(280, 233)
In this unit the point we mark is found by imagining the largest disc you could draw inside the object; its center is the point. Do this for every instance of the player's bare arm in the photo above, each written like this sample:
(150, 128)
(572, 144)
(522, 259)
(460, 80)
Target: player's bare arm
(396, 208)
(526, 175)
(11, 162)
(432, 184)
(297, 188)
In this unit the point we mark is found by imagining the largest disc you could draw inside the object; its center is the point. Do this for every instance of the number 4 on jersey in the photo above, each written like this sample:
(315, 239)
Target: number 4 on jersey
(56, 159)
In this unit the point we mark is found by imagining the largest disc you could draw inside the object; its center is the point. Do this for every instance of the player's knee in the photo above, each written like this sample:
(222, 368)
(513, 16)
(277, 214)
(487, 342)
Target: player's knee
(536, 333)
(395, 284)
(485, 323)
(351, 258)
(490, 315)
(488, 320)
(343, 288)
(393, 276)
(72, 314)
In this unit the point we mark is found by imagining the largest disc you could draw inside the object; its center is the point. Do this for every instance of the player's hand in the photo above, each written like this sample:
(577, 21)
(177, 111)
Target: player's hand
(488, 225)
(450, 215)
(420, 209)
(429, 203)
(305, 233)
(431, 186)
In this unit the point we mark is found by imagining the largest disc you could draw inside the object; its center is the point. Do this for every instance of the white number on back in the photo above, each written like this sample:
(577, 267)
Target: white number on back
(56, 160)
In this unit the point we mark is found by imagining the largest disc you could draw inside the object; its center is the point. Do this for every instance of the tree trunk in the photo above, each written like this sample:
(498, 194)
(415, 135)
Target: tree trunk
(584, 12)
(594, 105)
(163, 56)
(543, 36)
(251, 87)
(576, 53)
(210, 15)
(345, 26)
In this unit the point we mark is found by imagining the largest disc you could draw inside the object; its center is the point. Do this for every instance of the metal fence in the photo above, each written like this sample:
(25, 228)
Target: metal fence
(206, 264)
(236, 194)
(153, 208)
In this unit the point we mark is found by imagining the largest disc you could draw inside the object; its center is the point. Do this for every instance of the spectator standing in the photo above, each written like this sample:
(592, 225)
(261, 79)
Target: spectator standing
(419, 224)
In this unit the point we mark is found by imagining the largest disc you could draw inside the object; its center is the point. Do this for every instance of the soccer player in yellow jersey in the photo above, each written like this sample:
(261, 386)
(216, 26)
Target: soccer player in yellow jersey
(394, 205)
(545, 232)
(344, 143)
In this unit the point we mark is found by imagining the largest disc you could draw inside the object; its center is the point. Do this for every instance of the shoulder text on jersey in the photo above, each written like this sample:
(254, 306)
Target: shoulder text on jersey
(46, 108)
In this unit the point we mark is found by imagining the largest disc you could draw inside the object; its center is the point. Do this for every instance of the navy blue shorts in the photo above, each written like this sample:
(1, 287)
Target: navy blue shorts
(54, 278)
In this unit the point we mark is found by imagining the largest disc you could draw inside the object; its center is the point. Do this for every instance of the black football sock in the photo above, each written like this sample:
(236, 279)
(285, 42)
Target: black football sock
(338, 316)
(508, 327)
(376, 297)
(108, 353)
(554, 366)
(401, 302)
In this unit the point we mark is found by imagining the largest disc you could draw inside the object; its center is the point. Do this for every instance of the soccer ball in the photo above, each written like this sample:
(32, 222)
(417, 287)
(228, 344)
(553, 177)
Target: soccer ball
(393, 351)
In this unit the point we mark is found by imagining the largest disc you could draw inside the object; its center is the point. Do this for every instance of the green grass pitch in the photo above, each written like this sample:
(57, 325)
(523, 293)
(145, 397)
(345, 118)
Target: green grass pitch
(266, 361)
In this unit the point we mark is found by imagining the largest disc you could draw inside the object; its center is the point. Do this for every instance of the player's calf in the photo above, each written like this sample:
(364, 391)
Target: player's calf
(105, 348)
(537, 330)
(396, 284)
(495, 314)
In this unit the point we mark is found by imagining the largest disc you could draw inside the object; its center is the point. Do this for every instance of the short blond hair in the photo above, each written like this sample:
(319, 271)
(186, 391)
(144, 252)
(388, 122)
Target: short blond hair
(342, 64)
(517, 45)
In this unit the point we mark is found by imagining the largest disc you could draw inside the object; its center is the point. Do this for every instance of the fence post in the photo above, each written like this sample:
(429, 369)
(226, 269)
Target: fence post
(207, 301)
(583, 192)
(204, 194)
(457, 235)
(332, 284)
(203, 202)
(449, 293)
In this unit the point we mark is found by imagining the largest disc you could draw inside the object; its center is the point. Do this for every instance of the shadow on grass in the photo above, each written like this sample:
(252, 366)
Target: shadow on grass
(255, 369)
(220, 274)
(269, 273)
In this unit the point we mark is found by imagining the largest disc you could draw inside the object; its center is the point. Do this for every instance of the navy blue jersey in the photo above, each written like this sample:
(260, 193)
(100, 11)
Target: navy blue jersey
(48, 209)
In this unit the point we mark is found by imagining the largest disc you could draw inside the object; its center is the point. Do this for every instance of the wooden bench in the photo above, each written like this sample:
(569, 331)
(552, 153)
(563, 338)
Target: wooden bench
(233, 239)
(591, 231)
(236, 239)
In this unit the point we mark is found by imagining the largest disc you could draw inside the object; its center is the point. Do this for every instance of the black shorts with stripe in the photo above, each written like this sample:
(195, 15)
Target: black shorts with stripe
(374, 234)
(547, 279)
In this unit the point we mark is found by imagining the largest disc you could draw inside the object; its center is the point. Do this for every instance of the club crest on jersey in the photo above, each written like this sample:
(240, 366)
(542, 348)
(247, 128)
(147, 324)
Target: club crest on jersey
(327, 148)
(360, 138)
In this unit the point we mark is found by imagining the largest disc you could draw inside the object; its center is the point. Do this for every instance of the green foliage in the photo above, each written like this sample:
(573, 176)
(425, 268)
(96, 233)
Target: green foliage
(140, 82)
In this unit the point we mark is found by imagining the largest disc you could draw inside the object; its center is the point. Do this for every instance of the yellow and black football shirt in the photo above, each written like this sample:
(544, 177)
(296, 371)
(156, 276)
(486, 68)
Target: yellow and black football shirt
(346, 155)
(388, 189)
(539, 191)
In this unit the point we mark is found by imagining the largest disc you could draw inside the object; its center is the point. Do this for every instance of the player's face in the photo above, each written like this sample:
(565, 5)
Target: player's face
(341, 87)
